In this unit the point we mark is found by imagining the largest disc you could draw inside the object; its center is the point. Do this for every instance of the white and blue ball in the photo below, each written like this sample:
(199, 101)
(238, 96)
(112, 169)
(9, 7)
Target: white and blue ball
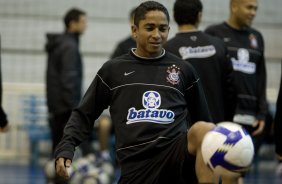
(228, 149)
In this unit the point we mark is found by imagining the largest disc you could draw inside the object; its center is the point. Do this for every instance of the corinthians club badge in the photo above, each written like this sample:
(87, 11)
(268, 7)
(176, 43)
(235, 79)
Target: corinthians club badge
(253, 41)
(173, 75)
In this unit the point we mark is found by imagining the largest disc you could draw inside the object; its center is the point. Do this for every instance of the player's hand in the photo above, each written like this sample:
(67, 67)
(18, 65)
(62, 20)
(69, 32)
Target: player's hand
(260, 126)
(61, 167)
(279, 157)
(4, 129)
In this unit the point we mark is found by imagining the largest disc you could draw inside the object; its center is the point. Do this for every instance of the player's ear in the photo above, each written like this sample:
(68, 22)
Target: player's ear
(233, 6)
(134, 31)
(200, 15)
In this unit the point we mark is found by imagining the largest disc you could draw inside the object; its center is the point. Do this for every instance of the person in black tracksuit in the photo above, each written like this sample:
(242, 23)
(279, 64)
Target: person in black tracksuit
(64, 72)
(278, 127)
(154, 97)
(3, 116)
(245, 47)
(64, 76)
(125, 45)
(208, 56)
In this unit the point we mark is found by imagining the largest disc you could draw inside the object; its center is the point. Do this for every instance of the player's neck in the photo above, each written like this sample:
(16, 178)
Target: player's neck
(233, 23)
(187, 28)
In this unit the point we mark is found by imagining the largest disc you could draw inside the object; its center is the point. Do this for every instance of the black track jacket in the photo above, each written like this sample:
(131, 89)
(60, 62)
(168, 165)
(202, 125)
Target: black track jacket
(64, 72)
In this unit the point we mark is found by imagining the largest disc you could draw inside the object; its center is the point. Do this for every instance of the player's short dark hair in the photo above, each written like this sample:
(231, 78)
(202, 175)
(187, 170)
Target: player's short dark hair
(186, 11)
(73, 15)
(132, 13)
(147, 6)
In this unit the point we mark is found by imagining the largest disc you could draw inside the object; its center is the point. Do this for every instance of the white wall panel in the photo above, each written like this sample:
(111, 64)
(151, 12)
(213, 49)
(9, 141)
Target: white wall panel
(24, 24)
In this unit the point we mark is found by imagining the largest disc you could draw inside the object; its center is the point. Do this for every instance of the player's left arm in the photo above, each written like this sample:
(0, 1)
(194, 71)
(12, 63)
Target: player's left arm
(259, 125)
(228, 83)
(261, 93)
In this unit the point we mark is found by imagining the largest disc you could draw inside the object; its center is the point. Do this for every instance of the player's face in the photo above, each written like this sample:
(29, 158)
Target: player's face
(245, 12)
(80, 25)
(151, 34)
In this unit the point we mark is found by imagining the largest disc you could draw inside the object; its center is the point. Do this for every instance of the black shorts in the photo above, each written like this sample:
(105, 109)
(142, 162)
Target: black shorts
(173, 165)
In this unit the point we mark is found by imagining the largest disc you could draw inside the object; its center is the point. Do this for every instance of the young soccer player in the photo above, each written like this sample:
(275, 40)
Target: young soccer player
(156, 101)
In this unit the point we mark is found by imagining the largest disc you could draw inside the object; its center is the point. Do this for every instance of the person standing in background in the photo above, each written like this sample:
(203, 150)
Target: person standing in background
(126, 44)
(64, 79)
(123, 47)
(3, 116)
(245, 47)
(208, 56)
(278, 128)
(64, 75)
(64, 72)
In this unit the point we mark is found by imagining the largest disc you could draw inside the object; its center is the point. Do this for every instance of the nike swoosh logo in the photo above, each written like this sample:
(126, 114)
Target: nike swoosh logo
(128, 73)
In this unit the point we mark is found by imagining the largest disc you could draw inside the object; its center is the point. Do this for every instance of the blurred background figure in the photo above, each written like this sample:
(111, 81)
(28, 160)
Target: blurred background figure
(208, 56)
(126, 44)
(245, 46)
(64, 72)
(278, 128)
(64, 85)
(3, 117)
(122, 47)
(106, 129)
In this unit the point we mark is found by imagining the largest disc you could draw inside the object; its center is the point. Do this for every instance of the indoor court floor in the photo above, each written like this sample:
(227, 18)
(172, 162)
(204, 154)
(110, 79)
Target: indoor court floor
(11, 173)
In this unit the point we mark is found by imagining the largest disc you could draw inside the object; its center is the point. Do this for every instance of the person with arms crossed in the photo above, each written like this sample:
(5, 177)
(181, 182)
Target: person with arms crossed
(208, 56)
(153, 100)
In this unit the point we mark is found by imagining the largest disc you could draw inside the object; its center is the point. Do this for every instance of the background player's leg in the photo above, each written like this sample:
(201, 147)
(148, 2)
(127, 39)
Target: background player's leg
(104, 132)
